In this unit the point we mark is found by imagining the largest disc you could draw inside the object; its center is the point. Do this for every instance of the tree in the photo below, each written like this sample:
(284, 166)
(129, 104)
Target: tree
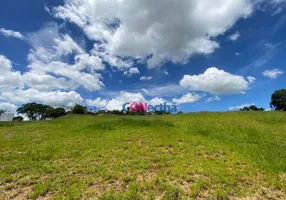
(252, 108)
(35, 111)
(278, 100)
(44, 111)
(57, 112)
(79, 109)
(18, 119)
(29, 109)
(2, 111)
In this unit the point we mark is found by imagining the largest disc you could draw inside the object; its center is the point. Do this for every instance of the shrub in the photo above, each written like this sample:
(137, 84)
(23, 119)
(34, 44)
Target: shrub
(57, 112)
(18, 119)
(79, 109)
(278, 100)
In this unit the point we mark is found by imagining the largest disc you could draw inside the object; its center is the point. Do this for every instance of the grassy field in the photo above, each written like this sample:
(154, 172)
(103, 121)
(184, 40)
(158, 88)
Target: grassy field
(196, 156)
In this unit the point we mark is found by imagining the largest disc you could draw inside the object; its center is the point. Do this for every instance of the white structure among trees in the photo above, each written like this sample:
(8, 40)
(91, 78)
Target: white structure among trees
(6, 117)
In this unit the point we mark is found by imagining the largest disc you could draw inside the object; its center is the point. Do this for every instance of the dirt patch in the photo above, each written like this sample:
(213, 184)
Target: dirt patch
(8, 135)
(18, 193)
(265, 194)
(151, 174)
(139, 142)
(169, 149)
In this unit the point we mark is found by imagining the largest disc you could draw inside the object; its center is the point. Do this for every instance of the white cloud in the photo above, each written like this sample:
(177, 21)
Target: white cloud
(8, 107)
(47, 82)
(10, 33)
(117, 102)
(54, 98)
(188, 98)
(272, 74)
(240, 107)
(234, 36)
(124, 97)
(135, 28)
(146, 91)
(251, 79)
(211, 99)
(146, 78)
(46, 58)
(278, 1)
(9, 79)
(98, 103)
(215, 81)
(131, 71)
(165, 72)
(158, 101)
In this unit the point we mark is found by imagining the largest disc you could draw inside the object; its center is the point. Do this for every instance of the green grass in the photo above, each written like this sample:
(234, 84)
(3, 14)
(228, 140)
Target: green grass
(194, 156)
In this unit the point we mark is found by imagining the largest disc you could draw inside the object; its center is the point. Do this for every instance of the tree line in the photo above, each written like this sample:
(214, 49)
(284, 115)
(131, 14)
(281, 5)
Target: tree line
(278, 102)
(35, 111)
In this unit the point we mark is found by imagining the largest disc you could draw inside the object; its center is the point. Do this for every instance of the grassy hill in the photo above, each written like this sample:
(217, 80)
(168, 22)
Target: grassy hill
(217, 155)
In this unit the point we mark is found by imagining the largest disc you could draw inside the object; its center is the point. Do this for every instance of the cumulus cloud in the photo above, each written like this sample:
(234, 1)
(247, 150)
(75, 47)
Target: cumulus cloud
(251, 79)
(188, 98)
(10, 33)
(146, 78)
(215, 81)
(124, 97)
(97, 103)
(46, 58)
(272, 74)
(158, 101)
(8, 107)
(135, 28)
(240, 107)
(9, 79)
(117, 102)
(132, 71)
(234, 36)
(211, 99)
(47, 82)
(53, 98)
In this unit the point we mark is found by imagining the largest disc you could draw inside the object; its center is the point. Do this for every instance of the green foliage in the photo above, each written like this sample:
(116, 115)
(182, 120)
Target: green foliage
(18, 119)
(57, 112)
(30, 109)
(278, 100)
(36, 111)
(252, 108)
(79, 109)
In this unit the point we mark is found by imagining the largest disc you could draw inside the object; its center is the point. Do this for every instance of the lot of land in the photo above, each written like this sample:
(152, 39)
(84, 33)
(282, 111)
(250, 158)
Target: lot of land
(239, 155)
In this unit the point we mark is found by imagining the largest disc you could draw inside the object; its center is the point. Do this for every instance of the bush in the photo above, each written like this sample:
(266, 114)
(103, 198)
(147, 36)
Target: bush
(79, 109)
(57, 112)
(278, 100)
(252, 108)
(18, 119)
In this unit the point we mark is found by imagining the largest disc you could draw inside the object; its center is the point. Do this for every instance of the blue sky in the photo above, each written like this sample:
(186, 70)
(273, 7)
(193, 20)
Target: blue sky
(199, 55)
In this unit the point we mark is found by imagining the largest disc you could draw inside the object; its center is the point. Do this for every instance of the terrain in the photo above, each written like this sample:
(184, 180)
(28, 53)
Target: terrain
(236, 155)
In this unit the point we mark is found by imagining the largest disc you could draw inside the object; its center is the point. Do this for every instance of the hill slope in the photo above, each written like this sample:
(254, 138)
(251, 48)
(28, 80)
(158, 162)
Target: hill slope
(217, 155)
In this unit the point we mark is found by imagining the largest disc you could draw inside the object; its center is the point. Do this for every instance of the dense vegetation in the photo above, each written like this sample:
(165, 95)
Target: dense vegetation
(278, 100)
(215, 155)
